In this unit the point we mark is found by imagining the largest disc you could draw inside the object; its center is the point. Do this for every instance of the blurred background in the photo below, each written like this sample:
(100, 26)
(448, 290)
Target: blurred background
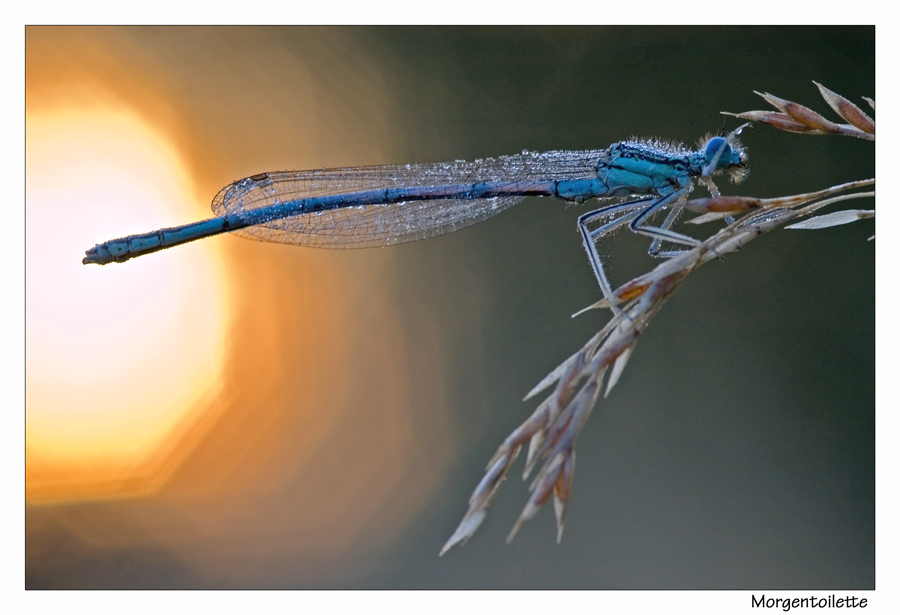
(233, 414)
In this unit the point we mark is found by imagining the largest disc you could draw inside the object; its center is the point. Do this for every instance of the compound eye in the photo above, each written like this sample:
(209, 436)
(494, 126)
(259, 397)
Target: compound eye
(726, 158)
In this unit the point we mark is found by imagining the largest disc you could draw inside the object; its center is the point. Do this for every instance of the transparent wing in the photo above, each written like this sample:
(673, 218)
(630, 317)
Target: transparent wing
(385, 224)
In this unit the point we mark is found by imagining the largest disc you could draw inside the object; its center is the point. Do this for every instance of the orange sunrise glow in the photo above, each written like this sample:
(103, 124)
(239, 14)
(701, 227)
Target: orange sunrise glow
(232, 403)
(114, 373)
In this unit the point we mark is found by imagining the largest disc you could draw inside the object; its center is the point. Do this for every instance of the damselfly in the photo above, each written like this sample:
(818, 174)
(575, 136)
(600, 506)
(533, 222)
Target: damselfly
(384, 205)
